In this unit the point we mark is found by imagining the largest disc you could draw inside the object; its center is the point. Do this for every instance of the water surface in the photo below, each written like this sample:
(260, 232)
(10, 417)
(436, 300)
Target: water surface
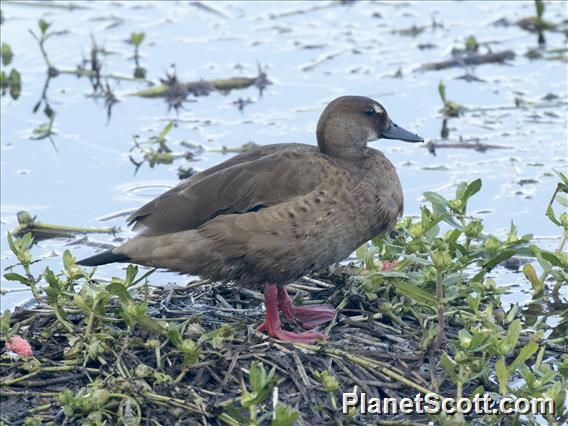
(312, 52)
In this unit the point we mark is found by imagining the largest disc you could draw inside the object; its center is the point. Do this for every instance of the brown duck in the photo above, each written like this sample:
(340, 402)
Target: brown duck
(273, 214)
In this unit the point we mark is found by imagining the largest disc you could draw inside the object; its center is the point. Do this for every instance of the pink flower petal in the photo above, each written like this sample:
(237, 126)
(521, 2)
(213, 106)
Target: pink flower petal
(387, 266)
(19, 346)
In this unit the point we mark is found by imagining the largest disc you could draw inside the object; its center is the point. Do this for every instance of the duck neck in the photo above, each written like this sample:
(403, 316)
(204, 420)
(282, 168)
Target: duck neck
(342, 143)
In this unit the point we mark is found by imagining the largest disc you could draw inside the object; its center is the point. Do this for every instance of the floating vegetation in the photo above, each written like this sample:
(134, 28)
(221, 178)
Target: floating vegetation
(450, 108)
(537, 23)
(471, 58)
(174, 91)
(204, 87)
(475, 145)
(11, 82)
(41, 231)
(432, 321)
(155, 150)
(136, 39)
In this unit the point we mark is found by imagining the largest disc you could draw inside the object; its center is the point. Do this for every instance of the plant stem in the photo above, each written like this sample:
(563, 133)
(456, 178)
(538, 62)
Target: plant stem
(33, 283)
(459, 391)
(556, 289)
(38, 227)
(366, 362)
(441, 337)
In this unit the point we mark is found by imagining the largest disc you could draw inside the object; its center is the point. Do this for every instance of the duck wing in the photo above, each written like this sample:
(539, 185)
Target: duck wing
(259, 178)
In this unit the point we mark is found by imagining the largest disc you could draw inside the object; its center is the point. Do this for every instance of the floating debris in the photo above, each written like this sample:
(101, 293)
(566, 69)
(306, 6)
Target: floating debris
(204, 87)
(471, 59)
(432, 146)
(41, 231)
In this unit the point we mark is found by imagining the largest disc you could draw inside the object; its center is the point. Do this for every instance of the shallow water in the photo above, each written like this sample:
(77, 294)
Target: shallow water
(312, 53)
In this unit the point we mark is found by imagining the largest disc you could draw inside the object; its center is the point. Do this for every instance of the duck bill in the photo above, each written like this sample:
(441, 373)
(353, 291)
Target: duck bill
(394, 131)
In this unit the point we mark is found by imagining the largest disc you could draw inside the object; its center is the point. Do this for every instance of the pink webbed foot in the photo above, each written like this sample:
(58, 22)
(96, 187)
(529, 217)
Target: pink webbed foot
(313, 315)
(273, 326)
(289, 336)
(309, 315)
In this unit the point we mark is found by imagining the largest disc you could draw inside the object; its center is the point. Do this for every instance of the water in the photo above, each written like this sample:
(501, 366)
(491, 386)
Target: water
(88, 175)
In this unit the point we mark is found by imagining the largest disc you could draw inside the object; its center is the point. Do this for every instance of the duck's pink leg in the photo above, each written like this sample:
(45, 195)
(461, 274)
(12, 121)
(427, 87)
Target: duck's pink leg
(273, 325)
(309, 315)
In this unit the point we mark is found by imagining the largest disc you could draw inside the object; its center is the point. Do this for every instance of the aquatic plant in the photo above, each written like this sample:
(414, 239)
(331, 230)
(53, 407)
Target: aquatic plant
(136, 39)
(450, 108)
(11, 82)
(126, 351)
(537, 23)
(454, 264)
(39, 231)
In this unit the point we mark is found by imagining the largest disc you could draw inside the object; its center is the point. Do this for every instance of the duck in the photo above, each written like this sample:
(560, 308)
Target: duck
(277, 212)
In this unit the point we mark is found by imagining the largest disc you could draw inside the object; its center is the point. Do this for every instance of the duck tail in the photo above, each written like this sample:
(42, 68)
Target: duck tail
(103, 258)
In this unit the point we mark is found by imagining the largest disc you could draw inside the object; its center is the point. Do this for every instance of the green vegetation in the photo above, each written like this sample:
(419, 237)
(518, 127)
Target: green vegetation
(136, 39)
(450, 108)
(135, 351)
(537, 23)
(11, 82)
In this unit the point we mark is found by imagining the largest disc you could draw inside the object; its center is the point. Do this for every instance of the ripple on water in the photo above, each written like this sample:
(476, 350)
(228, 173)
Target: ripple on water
(141, 191)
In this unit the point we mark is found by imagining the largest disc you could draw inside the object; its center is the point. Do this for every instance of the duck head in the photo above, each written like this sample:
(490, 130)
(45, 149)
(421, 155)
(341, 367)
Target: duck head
(349, 122)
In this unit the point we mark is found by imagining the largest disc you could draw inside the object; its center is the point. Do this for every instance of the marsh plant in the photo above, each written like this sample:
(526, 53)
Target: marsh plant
(444, 273)
(10, 82)
(115, 352)
(136, 40)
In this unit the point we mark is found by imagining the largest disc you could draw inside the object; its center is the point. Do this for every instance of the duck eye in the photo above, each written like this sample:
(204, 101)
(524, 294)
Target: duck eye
(370, 111)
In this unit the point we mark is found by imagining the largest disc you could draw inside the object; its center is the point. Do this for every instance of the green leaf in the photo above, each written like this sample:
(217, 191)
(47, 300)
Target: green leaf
(131, 272)
(5, 323)
(137, 38)
(496, 260)
(464, 338)
(473, 300)
(149, 324)
(257, 376)
(43, 25)
(328, 380)
(4, 82)
(442, 92)
(144, 276)
(471, 43)
(7, 54)
(550, 215)
(140, 72)
(553, 259)
(472, 189)
(439, 203)
(12, 276)
(502, 375)
(539, 6)
(562, 200)
(119, 290)
(219, 337)
(417, 294)
(564, 179)
(174, 334)
(164, 133)
(261, 383)
(12, 243)
(525, 353)
(541, 260)
(68, 260)
(80, 302)
(449, 367)
(530, 274)
(507, 345)
(15, 80)
(284, 415)
(191, 352)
